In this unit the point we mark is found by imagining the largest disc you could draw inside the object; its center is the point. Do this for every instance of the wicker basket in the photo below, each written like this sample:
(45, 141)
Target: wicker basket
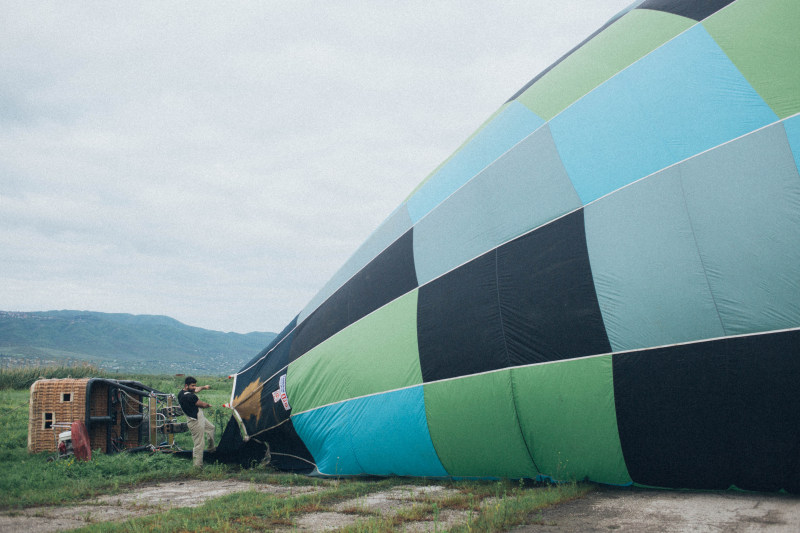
(54, 405)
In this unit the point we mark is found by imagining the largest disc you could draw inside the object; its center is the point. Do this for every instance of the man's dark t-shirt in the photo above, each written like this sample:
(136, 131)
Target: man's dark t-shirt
(188, 401)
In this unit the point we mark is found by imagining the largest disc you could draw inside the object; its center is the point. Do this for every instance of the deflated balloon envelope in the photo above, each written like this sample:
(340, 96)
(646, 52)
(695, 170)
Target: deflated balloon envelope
(603, 282)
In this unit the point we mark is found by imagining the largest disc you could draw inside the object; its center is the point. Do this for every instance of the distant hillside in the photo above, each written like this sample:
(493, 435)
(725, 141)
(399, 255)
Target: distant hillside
(140, 343)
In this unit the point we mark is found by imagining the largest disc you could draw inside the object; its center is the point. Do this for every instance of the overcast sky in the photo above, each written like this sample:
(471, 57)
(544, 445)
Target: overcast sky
(217, 162)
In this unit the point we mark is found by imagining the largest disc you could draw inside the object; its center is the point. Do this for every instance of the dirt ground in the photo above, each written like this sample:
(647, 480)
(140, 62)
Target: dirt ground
(640, 510)
(606, 509)
(155, 498)
(147, 499)
(386, 504)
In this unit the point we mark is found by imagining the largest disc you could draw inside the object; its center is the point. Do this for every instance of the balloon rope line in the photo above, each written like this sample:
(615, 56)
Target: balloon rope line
(131, 398)
(293, 456)
(125, 396)
(268, 429)
(286, 454)
(239, 421)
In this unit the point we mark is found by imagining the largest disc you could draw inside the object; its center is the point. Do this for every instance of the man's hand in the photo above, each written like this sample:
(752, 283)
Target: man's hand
(204, 387)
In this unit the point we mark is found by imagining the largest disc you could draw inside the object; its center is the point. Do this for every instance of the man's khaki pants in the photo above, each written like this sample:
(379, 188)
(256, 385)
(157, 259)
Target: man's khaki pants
(200, 428)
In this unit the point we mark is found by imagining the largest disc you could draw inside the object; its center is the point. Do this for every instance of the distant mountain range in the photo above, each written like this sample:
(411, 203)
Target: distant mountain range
(122, 342)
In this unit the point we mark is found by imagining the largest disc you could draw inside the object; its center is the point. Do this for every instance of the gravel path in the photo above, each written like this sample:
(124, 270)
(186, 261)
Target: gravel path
(605, 509)
(610, 509)
(145, 500)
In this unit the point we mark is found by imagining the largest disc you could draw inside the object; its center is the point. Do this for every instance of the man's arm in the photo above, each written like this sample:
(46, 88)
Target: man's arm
(200, 403)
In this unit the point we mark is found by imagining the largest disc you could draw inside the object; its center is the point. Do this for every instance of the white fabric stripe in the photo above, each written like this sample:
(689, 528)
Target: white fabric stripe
(560, 217)
(637, 350)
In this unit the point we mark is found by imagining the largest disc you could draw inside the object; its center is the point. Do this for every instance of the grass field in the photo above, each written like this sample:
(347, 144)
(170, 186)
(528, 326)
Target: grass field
(32, 480)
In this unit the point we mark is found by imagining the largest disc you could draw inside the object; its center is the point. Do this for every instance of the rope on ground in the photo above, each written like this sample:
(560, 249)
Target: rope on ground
(293, 456)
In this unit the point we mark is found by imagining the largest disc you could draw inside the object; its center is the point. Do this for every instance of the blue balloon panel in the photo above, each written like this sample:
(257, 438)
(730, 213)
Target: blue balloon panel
(509, 127)
(525, 188)
(384, 434)
(646, 118)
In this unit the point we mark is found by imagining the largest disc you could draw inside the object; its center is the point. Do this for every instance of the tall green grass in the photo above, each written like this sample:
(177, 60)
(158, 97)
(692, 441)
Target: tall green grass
(23, 377)
(33, 480)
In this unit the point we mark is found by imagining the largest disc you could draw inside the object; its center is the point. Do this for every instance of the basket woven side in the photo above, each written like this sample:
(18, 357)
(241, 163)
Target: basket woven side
(53, 404)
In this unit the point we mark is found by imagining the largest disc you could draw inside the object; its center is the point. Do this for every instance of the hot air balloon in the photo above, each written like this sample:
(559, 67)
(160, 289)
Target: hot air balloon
(602, 282)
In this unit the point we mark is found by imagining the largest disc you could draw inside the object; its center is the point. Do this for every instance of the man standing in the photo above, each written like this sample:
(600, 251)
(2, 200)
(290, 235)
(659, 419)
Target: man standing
(198, 424)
